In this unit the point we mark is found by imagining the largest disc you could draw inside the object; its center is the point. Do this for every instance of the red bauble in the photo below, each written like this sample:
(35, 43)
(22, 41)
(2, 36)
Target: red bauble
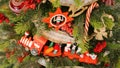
(16, 6)
(100, 46)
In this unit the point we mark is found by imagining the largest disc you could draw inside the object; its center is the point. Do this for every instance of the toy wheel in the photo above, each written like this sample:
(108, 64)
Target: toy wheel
(34, 52)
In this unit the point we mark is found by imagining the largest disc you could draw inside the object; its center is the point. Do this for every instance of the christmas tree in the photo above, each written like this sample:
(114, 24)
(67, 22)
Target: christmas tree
(59, 33)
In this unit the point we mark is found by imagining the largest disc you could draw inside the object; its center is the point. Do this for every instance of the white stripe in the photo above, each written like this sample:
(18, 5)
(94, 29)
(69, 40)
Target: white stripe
(37, 45)
(21, 40)
(30, 44)
(25, 41)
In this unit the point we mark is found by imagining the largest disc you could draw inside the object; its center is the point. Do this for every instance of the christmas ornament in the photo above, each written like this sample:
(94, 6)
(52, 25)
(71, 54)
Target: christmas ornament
(16, 5)
(57, 36)
(93, 5)
(70, 52)
(77, 7)
(107, 26)
(57, 19)
(100, 46)
(3, 18)
(35, 45)
(88, 58)
(100, 33)
(108, 2)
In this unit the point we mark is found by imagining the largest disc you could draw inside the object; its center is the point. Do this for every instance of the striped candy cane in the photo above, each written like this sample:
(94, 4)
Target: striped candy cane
(93, 5)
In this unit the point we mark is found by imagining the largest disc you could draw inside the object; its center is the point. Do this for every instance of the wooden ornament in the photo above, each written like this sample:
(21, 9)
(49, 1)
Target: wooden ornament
(57, 36)
(57, 19)
(38, 44)
(100, 33)
(76, 7)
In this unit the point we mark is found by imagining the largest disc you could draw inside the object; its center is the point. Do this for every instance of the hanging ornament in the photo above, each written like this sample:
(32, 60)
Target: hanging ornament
(100, 46)
(57, 19)
(105, 25)
(16, 6)
(35, 46)
(79, 6)
(87, 21)
(88, 58)
(57, 36)
(76, 7)
(100, 33)
(70, 52)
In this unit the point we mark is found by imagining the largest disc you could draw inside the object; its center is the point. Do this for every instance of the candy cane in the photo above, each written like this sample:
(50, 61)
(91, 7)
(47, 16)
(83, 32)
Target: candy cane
(93, 5)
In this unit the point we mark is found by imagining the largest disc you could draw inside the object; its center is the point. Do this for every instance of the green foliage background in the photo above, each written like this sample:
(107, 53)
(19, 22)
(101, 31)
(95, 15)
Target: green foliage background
(31, 21)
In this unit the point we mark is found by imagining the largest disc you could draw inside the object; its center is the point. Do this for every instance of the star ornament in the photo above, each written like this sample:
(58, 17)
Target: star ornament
(57, 19)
